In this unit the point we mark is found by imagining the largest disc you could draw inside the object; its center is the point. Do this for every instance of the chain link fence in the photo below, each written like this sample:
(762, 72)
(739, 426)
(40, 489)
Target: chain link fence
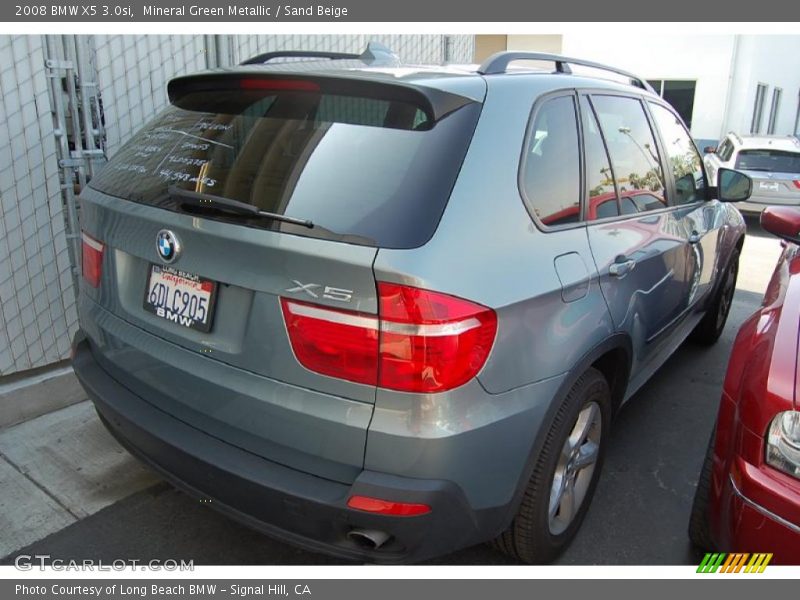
(412, 49)
(133, 71)
(37, 303)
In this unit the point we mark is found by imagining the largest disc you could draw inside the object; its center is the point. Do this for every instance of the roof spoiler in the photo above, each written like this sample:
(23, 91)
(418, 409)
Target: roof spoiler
(434, 102)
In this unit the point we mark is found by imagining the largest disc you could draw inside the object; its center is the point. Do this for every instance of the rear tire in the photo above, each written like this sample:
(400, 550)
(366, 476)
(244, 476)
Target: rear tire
(565, 475)
(710, 328)
(699, 525)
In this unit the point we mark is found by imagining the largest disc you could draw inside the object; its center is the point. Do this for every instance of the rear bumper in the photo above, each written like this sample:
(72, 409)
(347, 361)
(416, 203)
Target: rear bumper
(758, 203)
(287, 504)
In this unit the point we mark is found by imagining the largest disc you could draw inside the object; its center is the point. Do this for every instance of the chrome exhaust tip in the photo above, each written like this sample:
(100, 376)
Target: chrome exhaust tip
(371, 539)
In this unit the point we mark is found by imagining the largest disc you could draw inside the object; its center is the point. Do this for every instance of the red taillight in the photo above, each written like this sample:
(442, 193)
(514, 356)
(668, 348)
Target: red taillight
(386, 507)
(338, 343)
(796, 183)
(431, 342)
(423, 341)
(92, 260)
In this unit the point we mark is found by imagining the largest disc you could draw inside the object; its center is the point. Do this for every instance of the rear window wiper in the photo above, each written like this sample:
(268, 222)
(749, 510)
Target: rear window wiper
(209, 201)
(202, 201)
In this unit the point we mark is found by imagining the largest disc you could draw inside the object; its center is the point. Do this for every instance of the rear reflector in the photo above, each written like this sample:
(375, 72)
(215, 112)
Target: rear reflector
(386, 507)
(421, 341)
(92, 259)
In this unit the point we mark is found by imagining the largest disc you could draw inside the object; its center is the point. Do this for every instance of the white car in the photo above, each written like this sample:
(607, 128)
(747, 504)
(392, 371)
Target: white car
(772, 161)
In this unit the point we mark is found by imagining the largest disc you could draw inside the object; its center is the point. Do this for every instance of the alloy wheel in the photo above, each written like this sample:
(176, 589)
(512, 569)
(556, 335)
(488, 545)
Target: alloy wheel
(726, 299)
(575, 467)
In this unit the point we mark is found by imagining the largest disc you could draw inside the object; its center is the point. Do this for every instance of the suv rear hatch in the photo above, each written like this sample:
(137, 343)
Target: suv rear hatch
(775, 174)
(344, 166)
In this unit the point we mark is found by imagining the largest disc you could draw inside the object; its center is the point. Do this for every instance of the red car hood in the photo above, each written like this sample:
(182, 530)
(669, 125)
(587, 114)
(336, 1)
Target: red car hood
(784, 374)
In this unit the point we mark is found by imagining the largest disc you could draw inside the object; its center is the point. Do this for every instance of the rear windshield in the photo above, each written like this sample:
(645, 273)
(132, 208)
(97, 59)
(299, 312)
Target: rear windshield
(363, 170)
(776, 161)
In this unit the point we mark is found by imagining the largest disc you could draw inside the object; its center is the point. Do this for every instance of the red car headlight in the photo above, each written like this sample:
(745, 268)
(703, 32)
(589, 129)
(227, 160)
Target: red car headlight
(783, 443)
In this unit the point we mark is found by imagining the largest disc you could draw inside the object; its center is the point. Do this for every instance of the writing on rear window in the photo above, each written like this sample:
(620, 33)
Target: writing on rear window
(364, 170)
(128, 167)
(171, 175)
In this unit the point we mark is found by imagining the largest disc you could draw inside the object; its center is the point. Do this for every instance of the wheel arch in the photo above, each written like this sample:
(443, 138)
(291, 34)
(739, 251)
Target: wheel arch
(613, 358)
(735, 247)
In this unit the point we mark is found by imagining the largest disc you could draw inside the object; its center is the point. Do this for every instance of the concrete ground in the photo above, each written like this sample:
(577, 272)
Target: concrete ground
(68, 490)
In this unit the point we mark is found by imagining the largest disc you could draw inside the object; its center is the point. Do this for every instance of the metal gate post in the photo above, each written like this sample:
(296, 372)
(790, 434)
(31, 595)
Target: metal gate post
(93, 130)
(57, 68)
(79, 141)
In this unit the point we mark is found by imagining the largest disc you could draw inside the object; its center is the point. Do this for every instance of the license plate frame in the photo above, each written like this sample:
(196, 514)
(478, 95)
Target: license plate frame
(185, 280)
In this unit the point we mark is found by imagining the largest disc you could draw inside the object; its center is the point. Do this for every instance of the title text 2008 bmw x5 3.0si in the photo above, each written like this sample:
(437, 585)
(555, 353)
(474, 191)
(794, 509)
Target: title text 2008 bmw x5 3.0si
(385, 311)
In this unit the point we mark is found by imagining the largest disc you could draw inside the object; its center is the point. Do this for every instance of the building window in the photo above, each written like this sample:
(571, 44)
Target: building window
(797, 116)
(758, 108)
(725, 150)
(773, 110)
(679, 93)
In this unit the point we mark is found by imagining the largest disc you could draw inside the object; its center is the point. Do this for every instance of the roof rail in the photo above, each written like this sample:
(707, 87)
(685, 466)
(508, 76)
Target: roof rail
(373, 53)
(498, 63)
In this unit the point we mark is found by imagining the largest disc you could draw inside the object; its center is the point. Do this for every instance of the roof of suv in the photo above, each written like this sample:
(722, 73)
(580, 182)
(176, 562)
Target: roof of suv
(378, 63)
(779, 142)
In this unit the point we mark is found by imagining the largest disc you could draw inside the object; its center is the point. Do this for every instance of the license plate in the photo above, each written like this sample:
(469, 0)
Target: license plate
(180, 297)
(772, 186)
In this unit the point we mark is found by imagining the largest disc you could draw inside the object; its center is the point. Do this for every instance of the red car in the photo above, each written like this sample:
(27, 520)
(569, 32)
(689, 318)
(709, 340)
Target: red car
(748, 495)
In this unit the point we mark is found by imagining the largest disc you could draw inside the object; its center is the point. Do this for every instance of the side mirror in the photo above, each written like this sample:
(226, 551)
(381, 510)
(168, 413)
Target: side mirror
(783, 221)
(733, 186)
(710, 150)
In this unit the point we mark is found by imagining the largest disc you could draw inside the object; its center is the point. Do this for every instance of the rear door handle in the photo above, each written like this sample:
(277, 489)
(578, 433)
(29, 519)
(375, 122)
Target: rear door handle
(621, 266)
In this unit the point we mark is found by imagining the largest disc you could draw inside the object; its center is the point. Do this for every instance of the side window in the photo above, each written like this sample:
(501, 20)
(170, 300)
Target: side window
(602, 196)
(725, 150)
(684, 160)
(633, 151)
(726, 156)
(550, 178)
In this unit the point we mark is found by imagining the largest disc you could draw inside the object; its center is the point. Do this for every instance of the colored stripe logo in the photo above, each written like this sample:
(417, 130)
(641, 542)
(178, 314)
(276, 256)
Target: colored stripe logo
(714, 562)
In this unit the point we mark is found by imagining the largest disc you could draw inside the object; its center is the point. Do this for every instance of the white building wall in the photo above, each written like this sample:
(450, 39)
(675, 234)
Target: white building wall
(774, 61)
(718, 63)
(37, 305)
(540, 42)
(703, 58)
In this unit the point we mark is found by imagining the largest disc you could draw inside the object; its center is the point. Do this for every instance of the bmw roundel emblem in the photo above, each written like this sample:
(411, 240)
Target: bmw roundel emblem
(167, 245)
